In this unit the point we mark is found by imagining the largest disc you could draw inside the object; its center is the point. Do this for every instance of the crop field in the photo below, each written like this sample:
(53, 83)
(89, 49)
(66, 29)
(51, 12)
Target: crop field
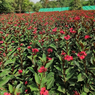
(47, 53)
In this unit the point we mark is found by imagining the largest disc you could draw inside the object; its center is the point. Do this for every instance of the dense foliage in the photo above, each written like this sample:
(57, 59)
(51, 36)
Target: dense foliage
(9, 6)
(49, 53)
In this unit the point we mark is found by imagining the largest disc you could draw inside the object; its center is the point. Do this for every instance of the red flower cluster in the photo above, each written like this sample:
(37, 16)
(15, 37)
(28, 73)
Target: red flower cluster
(54, 30)
(42, 69)
(68, 58)
(76, 93)
(20, 71)
(72, 31)
(35, 50)
(1, 42)
(62, 32)
(6, 93)
(82, 55)
(49, 50)
(87, 37)
(63, 53)
(48, 58)
(29, 47)
(19, 49)
(44, 91)
(67, 37)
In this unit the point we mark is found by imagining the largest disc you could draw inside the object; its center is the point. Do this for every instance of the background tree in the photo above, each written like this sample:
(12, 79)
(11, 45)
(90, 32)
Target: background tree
(6, 6)
(52, 4)
(85, 3)
(75, 5)
(37, 6)
(91, 2)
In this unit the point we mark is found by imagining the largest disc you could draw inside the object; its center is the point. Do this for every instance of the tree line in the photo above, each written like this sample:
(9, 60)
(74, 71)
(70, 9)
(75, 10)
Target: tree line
(20, 6)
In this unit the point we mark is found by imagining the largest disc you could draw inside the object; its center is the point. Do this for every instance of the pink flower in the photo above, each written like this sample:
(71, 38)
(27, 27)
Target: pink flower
(18, 93)
(1, 42)
(42, 69)
(6, 93)
(77, 18)
(26, 23)
(68, 58)
(49, 50)
(62, 32)
(73, 51)
(19, 48)
(48, 58)
(29, 47)
(7, 35)
(29, 28)
(0, 63)
(21, 44)
(1, 32)
(82, 55)
(66, 25)
(10, 50)
(20, 71)
(72, 31)
(26, 82)
(87, 37)
(26, 90)
(76, 93)
(13, 41)
(4, 54)
(44, 91)
(63, 53)
(67, 37)
(35, 50)
(54, 30)
(15, 25)
(30, 43)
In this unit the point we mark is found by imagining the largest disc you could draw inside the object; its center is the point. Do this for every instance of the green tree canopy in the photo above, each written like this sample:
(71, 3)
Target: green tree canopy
(75, 5)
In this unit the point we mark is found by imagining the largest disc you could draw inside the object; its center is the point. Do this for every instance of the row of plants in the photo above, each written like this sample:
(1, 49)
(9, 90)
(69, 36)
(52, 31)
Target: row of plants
(50, 53)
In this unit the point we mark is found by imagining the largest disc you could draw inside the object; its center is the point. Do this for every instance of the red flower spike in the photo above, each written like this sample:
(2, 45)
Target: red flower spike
(6, 93)
(29, 47)
(49, 50)
(42, 69)
(76, 93)
(82, 55)
(87, 37)
(20, 71)
(68, 58)
(67, 37)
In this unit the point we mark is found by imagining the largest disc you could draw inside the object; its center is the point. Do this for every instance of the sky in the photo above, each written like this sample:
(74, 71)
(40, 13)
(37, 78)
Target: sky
(34, 1)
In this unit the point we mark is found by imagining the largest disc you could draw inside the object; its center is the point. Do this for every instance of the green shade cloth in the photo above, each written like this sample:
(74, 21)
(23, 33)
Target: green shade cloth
(64, 9)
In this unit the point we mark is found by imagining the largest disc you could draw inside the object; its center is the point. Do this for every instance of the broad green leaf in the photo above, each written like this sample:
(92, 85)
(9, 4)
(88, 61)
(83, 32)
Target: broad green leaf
(53, 46)
(5, 80)
(31, 69)
(51, 74)
(80, 78)
(86, 89)
(4, 72)
(92, 68)
(83, 93)
(44, 57)
(17, 89)
(10, 88)
(49, 64)
(58, 68)
(9, 62)
(61, 89)
(37, 79)
(50, 83)
(33, 87)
